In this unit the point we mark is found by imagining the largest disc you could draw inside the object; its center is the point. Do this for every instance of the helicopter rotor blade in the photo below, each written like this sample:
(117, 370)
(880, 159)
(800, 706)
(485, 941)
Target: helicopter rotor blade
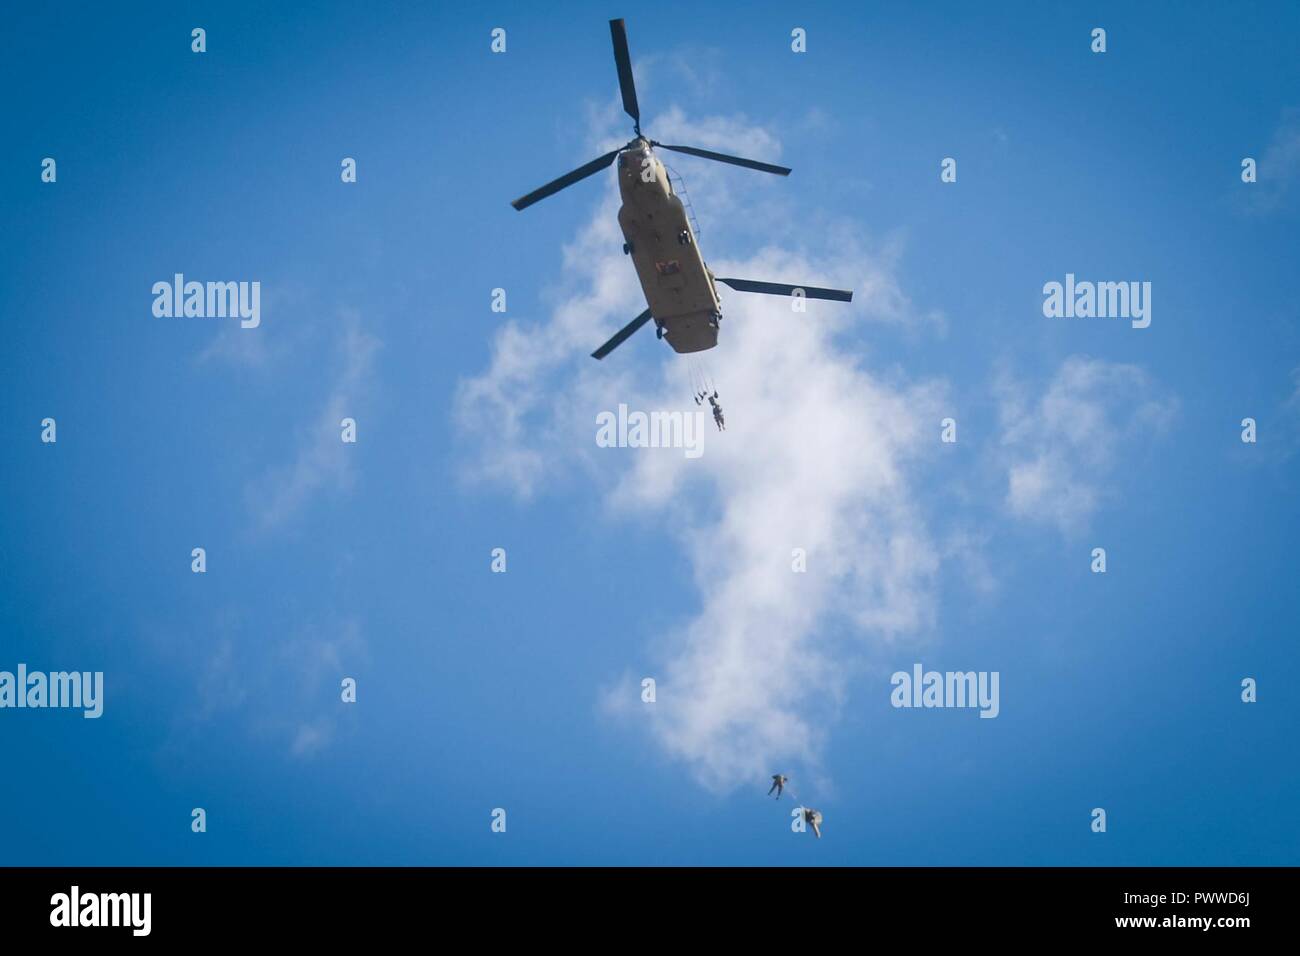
(780, 288)
(724, 158)
(623, 60)
(622, 335)
(568, 179)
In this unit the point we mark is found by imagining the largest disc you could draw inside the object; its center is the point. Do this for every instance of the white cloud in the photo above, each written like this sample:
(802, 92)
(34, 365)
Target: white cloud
(1279, 167)
(311, 738)
(260, 349)
(1287, 426)
(1059, 450)
(240, 347)
(819, 455)
(285, 691)
(321, 459)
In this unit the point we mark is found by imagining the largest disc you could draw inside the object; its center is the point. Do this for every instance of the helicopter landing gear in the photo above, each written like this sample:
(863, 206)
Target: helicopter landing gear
(627, 248)
(659, 330)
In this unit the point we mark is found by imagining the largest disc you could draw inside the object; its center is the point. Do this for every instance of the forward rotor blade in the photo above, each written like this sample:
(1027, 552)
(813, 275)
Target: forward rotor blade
(623, 60)
(568, 179)
(724, 158)
(621, 335)
(780, 288)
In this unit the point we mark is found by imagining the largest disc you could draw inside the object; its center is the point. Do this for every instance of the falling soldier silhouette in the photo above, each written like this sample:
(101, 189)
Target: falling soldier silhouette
(814, 819)
(717, 412)
(778, 784)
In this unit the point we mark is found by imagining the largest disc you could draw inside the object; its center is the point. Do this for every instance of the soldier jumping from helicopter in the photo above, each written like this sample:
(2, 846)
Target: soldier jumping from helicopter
(814, 819)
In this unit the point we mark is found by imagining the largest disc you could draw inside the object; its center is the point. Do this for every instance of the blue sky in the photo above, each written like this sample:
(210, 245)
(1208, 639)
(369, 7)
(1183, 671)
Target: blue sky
(476, 430)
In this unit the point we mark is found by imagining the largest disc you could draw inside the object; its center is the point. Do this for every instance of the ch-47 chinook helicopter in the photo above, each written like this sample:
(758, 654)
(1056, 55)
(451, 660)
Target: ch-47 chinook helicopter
(679, 288)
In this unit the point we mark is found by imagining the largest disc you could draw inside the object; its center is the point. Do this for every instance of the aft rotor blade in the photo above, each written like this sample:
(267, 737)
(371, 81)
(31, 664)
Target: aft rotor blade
(724, 158)
(623, 60)
(568, 179)
(780, 288)
(621, 335)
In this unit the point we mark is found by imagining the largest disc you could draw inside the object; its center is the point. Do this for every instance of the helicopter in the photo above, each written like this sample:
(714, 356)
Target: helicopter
(680, 290)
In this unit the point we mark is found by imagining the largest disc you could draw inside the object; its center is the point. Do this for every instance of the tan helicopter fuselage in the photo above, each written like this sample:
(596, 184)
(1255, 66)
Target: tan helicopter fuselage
(677, 284)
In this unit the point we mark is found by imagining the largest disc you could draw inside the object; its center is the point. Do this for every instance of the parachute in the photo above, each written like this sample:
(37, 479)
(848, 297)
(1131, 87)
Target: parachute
(702, 385)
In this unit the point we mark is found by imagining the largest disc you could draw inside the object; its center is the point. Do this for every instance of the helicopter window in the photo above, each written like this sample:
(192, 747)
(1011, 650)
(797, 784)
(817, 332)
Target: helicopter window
(669, 268)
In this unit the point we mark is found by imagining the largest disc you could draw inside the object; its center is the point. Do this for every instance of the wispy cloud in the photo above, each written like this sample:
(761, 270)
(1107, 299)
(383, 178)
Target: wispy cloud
(287, 692)
(1279, 168)
(242, 348)
(1059, 448)
(818, 456)
(321, 461)
(1289, 420)
(260, 349)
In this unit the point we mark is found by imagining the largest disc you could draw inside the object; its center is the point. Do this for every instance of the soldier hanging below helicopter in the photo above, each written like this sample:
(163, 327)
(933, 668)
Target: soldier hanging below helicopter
(717, 409)
(703, 388)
